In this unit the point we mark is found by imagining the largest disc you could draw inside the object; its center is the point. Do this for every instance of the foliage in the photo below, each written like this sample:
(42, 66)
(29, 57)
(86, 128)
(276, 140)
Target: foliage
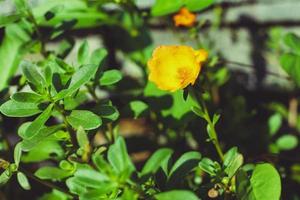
(65, 101)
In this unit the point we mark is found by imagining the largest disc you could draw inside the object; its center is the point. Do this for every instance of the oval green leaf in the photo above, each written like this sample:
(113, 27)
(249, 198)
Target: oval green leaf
(87, 119)
(13, 108)
(265, 182)
(110, 77)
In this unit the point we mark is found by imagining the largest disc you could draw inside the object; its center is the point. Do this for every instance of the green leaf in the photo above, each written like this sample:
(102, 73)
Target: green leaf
(207, 165)
(274, 123)
(17, 154)
(229, 156)
(22, 129)
(232, 161)
(21, 5)
(186, 163)
(291, 64)
(198, 5)
(216, 118)
(176, 195)
(75, 186)
(9, 19)
(71, 103)
(23, 181)
(265, 182)
(287, 142)
(13, 108)
(243, 185)
(188, 157)
(10, 54)
(26, 97)
(82, 138)
(292, 41)
(52, 173)
(4, 177)
(48, 75)
(108, 112)
(45, 149)
(100, 193)
(28, 144)
(81, 77)
(101, 164)
(138, 107)
(198, 111)
(155, 161)
(110, 77)
(118, 157)
(38, 123)
(33, 75)
(83, 53)
(66, 165)
(54, 195)
(163, 7)
(90, 178)
(84, 118)
(234, 165)
(98, 56)
(129, 194)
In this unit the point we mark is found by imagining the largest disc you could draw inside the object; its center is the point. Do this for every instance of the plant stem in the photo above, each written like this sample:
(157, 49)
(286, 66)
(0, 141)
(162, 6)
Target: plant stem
(212, 134)
(68, 127)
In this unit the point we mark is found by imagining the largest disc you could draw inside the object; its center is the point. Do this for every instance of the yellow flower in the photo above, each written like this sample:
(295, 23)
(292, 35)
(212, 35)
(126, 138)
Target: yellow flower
(184, 18)
(175, 67)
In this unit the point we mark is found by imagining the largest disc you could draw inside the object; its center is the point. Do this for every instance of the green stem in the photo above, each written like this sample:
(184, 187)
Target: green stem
(213, 136)
(71, 131)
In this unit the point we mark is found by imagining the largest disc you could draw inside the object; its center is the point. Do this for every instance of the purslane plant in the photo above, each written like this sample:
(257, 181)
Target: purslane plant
(52, 93)
(63, 111)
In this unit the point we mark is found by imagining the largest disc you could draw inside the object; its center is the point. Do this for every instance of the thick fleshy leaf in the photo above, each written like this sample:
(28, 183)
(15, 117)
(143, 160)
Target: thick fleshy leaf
(138, 107)
(17, 154)
(13, 108)
(23, 181)
(110, 77)
(83, 53)
(81, 77)
(45, 149)
(186, 163)
(10, 54)
(287, 142)
(82, 138)
(35, 127)
(52, 173)
(265, 182)
(291, 64)
(155, 161)
(32, 74)
(119, 158)
(84, 118)
(98, 56)
(26, 97)
(163, 7)
(28, 144)
(196, 5)
(293, 41)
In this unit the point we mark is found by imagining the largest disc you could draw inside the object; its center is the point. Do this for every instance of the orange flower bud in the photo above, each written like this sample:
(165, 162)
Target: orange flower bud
(184, 18)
